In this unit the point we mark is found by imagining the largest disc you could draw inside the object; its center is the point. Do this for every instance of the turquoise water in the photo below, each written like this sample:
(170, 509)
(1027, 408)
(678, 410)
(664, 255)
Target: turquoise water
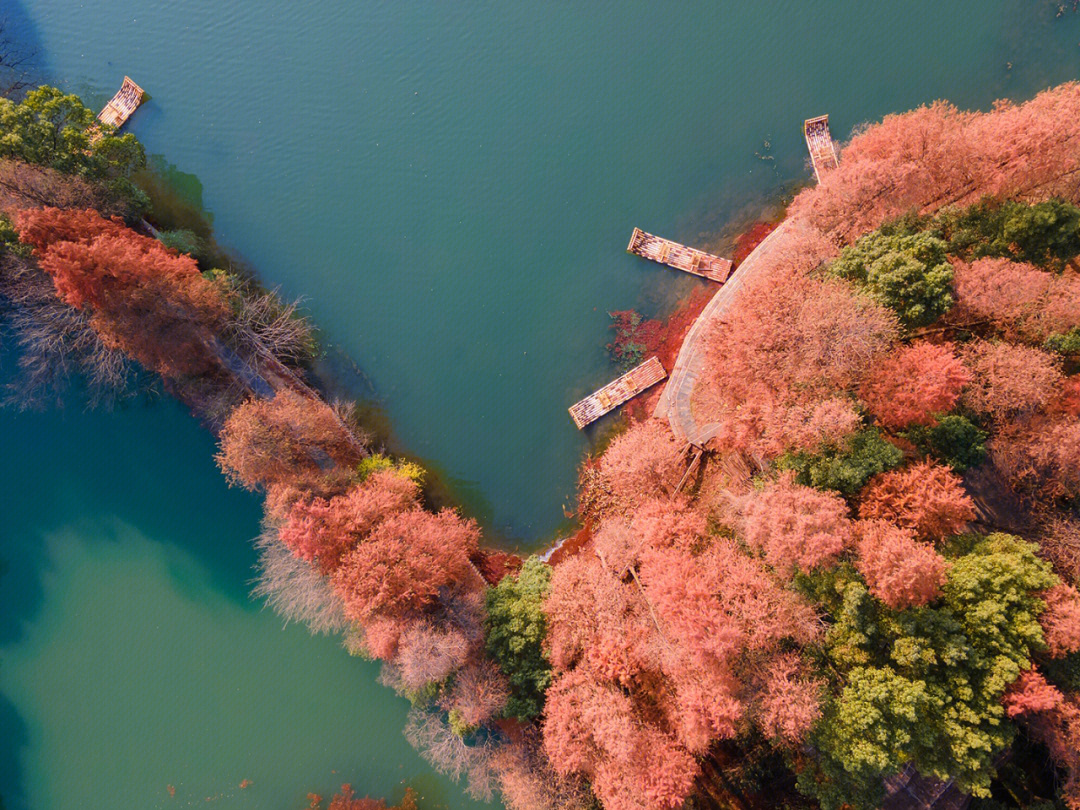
(132, 659)
(452, 186)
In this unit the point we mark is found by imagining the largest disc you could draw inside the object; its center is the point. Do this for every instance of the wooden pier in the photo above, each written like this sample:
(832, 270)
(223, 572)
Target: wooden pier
(679, 256)
(820, 143)
(123, 104)
(614, 394)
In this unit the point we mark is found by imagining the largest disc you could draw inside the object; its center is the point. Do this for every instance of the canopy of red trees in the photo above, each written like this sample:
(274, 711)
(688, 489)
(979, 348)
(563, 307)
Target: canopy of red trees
(276, 441)
(925, 498)
(146, 299)
(898, 569)
(913, 383)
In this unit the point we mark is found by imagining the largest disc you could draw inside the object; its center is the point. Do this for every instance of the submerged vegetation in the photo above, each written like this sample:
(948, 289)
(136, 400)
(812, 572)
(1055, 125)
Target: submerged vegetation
(871, 576)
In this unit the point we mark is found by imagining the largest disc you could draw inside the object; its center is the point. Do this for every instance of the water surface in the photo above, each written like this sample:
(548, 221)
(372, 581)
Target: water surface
(452, 186)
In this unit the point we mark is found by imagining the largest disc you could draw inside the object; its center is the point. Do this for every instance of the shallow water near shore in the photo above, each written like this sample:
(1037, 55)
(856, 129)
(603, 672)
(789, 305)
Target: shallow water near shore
(452, 187)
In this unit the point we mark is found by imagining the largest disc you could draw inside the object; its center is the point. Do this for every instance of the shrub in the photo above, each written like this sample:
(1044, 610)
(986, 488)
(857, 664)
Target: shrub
(845, 467)
(954, 440)
(1066, 343)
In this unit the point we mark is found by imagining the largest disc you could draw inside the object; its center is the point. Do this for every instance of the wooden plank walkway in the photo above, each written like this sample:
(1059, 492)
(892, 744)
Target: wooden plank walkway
(820, 143)
(680, 257)
(614, 394)
(123, 104)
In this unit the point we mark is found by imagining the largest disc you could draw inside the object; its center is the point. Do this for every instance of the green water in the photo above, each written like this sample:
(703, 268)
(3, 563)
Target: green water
(130, 656)
(452, 186)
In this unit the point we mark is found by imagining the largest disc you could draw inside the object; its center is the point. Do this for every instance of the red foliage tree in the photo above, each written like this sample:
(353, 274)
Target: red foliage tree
(323, 530)
(1058, 728)
(795, 526)
(789, 702)
(528, 781)
(664, 634)
(938, 155)
(405, 562)
(899, 570)
(641, 463)
(146, 300)
(805, 427)
(429, 653)
(1061, 620)
(657, 523)
(593, 728)
(589, 613)
(479, 693)
(1020, 300)
(43, 227)
(1031, 694)
(1009, 379)
(926, 498)
(1040, 457)
(276, 441)
(789, 342)
(1067, 400)
(913, 383)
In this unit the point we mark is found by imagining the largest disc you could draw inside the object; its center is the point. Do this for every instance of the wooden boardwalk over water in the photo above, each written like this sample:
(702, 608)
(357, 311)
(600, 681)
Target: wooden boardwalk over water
(614, 394)
(820, 143)
(123, 104)
(680, 257)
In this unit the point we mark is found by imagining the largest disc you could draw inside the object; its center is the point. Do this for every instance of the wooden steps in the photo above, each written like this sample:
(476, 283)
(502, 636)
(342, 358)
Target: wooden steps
(615, 393)
(681, 257)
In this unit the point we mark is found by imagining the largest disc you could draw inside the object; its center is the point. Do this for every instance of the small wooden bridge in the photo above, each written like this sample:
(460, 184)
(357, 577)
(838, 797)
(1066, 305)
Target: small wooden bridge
(615, 393)
(820, 143)
(680, 257)
(123, 104)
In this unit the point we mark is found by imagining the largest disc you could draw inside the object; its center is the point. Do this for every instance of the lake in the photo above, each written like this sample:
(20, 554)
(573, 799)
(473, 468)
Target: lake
(451, 186)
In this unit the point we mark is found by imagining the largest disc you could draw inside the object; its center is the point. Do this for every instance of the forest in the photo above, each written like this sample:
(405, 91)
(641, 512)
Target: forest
(868, 586)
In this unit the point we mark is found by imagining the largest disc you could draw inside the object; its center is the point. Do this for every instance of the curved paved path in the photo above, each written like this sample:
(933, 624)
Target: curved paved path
(675, 400)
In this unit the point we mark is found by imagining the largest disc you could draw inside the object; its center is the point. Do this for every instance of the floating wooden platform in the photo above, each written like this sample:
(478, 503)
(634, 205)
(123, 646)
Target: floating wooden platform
(680, 257)
(123, 104)
(820, 143)
(614, 394)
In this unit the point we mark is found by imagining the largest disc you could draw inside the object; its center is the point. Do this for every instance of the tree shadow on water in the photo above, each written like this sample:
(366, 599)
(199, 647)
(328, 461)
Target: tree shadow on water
(145, 466)
(13, 738)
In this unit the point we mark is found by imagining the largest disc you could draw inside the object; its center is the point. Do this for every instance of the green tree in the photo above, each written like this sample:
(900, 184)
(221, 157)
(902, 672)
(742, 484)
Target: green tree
(910, 274)
(845, 467)
(955, 440)
(1046, 233)
(52, 129)
(516, 627)
(924, 686)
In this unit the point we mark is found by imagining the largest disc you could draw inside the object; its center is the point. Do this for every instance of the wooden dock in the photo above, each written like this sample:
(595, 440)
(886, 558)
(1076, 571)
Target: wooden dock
(614, 394)
(123, 104)
(679, 256)
(820, 143)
